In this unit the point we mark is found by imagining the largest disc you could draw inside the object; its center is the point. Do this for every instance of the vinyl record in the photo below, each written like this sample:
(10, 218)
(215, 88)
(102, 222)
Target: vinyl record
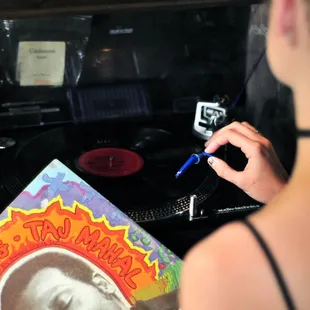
(133, 168)
(111, 162)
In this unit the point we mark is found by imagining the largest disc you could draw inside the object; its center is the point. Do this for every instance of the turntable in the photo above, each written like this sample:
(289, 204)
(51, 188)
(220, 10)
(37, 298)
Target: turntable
(132, 165)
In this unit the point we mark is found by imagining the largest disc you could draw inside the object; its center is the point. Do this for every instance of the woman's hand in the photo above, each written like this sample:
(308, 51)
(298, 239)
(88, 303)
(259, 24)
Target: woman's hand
(264, 176)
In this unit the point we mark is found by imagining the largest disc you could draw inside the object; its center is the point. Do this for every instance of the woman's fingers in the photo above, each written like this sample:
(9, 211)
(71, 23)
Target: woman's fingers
(263, 176)
(244, 128)
(248, 147)
(246, 124)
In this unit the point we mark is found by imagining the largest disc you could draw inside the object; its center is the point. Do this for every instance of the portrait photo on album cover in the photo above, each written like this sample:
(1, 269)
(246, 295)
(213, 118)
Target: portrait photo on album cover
(58, 279)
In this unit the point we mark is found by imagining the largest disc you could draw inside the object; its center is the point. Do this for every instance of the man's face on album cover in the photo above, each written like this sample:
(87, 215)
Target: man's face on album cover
(53, 290)
(57, 281)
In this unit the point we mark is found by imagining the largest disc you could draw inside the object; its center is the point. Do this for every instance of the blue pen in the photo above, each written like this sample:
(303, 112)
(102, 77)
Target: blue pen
(193, 160)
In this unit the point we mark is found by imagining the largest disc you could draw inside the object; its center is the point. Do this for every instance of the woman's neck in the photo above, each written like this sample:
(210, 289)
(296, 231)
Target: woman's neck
(302, 115)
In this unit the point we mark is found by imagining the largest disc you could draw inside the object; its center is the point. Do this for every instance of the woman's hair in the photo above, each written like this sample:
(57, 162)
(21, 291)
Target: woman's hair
(22, 275)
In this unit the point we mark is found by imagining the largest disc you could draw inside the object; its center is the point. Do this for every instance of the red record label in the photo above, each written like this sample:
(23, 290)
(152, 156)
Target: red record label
(111, 162)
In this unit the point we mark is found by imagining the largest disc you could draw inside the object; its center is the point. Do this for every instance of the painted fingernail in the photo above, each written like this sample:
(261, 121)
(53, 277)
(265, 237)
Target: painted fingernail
(211, 161)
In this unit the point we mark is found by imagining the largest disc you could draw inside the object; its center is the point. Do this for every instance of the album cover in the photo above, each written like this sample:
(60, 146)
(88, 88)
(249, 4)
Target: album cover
(65, 246)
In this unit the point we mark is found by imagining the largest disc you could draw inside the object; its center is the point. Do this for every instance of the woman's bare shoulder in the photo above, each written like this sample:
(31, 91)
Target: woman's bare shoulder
(224, 269)
(226, 247)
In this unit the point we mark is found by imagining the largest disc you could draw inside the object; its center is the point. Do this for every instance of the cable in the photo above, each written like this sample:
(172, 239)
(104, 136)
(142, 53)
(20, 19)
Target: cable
(252, 71)
(249, 77)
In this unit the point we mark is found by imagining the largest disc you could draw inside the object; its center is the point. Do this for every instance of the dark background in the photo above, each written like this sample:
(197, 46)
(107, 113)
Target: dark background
(176, 55)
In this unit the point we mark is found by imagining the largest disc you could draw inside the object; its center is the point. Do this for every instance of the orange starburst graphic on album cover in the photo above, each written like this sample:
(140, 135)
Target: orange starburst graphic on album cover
(75, 229)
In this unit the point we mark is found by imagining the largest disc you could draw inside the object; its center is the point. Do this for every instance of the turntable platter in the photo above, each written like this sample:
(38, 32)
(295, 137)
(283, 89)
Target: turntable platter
(134, 170)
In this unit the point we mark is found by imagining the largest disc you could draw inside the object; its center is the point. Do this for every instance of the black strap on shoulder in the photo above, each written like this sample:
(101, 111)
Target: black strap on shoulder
(303, 133)
(279, 277)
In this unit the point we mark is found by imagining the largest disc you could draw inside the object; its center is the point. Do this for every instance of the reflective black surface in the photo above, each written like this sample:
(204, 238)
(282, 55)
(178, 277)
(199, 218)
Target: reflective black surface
(35, 148)
(150, 194)
(191, 52)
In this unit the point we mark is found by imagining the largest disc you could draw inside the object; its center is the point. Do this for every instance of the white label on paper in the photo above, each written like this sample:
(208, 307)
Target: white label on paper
(41, 63)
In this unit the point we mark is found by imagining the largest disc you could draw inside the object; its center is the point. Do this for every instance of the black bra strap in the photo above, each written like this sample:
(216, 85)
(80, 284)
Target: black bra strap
(303, 133)
(279, 277)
